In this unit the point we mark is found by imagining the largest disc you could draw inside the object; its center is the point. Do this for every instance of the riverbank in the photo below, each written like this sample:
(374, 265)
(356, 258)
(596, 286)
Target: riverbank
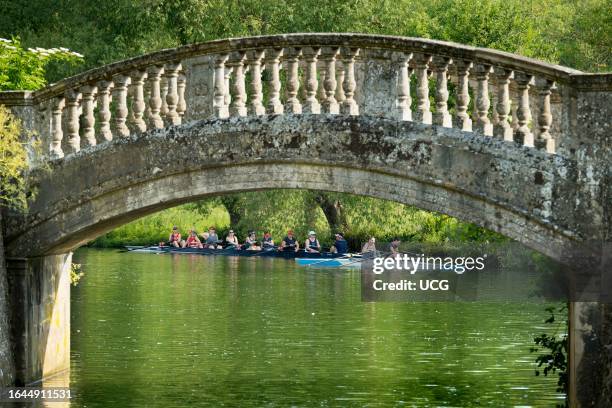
(359, 218)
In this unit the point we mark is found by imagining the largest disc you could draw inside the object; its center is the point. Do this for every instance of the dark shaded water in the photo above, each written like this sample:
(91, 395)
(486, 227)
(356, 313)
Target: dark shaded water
(178, 330)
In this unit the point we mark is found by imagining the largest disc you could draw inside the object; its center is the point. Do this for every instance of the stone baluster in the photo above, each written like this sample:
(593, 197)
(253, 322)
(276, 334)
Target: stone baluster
(104, 113)
(293, 104)
(181, 107)
(155, 101)
(120, 97)
(89, 120)
(404, 100)
(493, 93)
(513, 106)
(422, 113)
(73, 100)
(462, 120)
(349, 85)
(57, 108)
(138, 104)
(523, 134)
(483, 103)
(311, 105)
(340, 97)
(171, 72)
(163, 84)
(544, 139)
(441, 117)
(221, 109)
(238, 103)
(228, 94)
(254, 59)
(502, 129)
(328, 56)
(272, 60)
(321, 73)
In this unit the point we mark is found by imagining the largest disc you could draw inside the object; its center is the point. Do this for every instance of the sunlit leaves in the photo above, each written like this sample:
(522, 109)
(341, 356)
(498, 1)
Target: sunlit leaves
(12, 161)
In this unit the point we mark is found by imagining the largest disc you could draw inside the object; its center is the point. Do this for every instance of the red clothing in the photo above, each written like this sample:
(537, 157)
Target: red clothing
(192, 242)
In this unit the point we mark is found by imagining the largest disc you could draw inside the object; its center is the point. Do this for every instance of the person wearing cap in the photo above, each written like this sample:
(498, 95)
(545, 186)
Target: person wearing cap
(290, 242)
(369, 247)
(212, 240)
(175, 238)
(267, 242)
(340, 246)
(312, 243)
(232, 240)
(250, 243)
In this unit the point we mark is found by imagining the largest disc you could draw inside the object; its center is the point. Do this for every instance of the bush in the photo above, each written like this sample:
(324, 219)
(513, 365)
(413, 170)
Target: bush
(13, 161)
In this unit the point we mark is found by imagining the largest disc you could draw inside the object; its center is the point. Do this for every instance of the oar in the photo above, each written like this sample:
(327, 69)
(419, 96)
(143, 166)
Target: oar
(263, 250)
(141, 247)
(327, 259)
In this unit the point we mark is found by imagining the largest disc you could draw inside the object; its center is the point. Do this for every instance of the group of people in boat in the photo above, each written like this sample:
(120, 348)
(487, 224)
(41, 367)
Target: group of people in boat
(210, 240)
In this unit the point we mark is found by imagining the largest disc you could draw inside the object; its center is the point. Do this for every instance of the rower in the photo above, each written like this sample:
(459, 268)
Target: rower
(193, 241)
(340, 246)
(394, 248)
(312, 244)
(175, 238)
(232, 240)
(290, 243)
(212, 240)
(369, 247)
(250, 243)
(267, 243)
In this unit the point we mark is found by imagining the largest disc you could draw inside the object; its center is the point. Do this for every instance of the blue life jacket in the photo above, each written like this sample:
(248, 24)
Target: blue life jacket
(341, 246)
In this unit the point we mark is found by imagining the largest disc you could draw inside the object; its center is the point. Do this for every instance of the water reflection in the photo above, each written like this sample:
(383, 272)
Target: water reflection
(169, 331)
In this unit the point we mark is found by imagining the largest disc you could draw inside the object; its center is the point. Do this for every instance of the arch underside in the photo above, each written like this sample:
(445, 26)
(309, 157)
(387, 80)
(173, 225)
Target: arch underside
(422, 169)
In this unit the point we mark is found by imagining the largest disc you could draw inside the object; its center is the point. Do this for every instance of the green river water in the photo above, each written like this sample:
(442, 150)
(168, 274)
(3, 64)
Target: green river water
(187, 330)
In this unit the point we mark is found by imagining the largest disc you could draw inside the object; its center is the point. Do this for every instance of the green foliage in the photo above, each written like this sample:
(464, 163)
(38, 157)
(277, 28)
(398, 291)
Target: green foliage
(559, 31)
(279, 210)
(13, 162)
(76, 273)
(556, 346)
(24, 69)
(156, 227)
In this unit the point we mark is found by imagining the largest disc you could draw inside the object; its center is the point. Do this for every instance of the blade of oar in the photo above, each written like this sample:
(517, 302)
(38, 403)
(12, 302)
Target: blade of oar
(272, 248)
(330, 258)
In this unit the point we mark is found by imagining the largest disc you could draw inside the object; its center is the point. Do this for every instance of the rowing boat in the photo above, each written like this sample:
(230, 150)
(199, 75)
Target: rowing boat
(329, 263)
(272, 253)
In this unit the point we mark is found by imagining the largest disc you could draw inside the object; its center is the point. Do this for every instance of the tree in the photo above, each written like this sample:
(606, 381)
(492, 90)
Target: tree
(24, 69)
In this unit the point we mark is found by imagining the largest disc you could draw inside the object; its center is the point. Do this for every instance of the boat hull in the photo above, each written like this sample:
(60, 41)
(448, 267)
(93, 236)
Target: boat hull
(232, 252)
(329, 263)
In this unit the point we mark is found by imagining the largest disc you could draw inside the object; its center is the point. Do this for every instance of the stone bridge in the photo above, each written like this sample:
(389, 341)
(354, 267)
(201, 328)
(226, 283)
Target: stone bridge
(515, 145)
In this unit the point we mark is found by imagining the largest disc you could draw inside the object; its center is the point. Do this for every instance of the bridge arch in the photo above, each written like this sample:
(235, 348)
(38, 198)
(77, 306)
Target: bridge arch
(487, 182)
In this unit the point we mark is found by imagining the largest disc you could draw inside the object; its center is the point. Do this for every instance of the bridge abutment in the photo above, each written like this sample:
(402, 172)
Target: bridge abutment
(39, 310)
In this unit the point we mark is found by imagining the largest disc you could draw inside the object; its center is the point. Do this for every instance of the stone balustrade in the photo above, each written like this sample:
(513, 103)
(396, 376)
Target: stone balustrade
(490, 93)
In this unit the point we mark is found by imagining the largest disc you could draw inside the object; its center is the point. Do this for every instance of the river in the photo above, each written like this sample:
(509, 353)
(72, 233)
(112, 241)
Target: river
(188, 330)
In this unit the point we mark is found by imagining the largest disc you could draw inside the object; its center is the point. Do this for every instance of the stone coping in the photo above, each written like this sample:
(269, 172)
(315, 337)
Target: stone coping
(366, 41)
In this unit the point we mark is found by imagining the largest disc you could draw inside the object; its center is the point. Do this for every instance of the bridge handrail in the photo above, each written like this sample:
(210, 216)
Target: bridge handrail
(516, 99)
(453, 50)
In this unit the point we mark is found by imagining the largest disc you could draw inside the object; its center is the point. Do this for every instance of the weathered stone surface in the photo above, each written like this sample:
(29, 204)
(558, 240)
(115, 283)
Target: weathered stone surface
(520, 192)
(7, 369)
(39, 290)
